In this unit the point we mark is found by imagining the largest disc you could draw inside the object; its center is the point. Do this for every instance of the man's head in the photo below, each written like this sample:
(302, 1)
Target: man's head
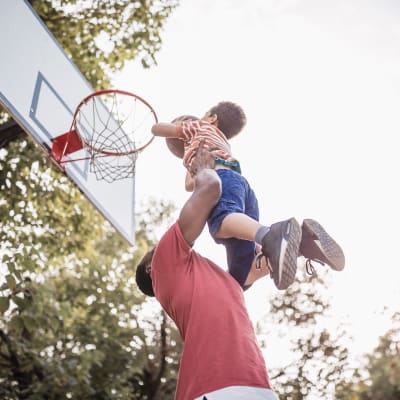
(143, 274)
(228, 117)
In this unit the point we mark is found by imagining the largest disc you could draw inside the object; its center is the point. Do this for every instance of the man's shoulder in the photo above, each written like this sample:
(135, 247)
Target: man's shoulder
(172, 244)
(173, 231)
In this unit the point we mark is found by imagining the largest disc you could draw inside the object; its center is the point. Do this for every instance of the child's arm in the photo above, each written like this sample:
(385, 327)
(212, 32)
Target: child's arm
(165, 130)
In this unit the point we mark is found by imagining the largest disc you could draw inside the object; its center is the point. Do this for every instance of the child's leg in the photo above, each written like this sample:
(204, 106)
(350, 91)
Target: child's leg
(280, 243)
(237, 199)
(240, 255)
(237, 214)
(238, 225)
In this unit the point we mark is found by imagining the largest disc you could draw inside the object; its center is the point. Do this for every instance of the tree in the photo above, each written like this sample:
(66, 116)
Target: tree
(318, 356)
(379, 377)
(40, 213)
(72, 323)
(79, 332)
(100, 36)
(132, 30)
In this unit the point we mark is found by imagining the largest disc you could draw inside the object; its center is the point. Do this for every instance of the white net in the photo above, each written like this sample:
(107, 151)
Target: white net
(114, 126)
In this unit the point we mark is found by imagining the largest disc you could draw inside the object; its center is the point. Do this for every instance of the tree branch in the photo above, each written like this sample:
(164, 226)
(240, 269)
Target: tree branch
(13, 356)
(10, 131)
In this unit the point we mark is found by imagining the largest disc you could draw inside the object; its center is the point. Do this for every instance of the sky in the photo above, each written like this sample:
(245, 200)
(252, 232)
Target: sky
(319, 81)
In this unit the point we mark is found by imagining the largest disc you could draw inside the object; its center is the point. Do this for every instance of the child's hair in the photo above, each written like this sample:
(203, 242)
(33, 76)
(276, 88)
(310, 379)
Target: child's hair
(231, 118)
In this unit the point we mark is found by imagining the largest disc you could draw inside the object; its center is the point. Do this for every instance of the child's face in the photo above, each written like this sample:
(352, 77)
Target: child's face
(210, 118)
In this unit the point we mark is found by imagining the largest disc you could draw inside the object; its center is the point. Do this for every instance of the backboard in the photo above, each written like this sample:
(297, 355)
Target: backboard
(40, 87)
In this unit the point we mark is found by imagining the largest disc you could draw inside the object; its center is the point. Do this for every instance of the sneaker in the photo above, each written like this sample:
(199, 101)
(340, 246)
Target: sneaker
(317, 245)
(280, 246)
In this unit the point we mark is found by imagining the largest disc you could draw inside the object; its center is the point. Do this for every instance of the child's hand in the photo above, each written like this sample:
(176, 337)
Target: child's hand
(203, 159)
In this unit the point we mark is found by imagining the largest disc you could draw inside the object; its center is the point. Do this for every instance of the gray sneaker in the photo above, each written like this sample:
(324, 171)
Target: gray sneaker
(280, 246)
(317, 245)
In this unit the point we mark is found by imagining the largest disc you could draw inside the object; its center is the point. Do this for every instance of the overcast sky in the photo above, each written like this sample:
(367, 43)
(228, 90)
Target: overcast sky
(319, 81)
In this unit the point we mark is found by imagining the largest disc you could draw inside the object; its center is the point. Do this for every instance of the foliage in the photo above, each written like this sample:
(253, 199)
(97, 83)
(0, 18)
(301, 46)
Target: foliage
(101, 36)
(40, 213)
(380, 376)
(318, 356)
(72, 324)
(80, 335)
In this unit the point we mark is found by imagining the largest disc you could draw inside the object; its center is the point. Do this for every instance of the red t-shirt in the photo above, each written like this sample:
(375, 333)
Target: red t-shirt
(207, 305)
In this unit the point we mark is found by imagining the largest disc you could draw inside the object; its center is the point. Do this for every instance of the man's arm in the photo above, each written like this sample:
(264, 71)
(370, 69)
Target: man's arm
(189, 182)
(207, 191)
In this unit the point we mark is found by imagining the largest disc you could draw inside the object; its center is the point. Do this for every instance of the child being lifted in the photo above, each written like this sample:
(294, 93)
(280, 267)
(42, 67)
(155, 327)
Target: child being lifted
(234, 222)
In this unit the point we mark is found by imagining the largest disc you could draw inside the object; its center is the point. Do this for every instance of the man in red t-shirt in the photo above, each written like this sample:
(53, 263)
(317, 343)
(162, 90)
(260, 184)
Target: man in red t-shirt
(221, 358)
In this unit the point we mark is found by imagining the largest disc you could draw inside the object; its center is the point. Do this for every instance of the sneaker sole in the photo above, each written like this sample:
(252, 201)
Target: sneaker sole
(289, 254)
(327, 246)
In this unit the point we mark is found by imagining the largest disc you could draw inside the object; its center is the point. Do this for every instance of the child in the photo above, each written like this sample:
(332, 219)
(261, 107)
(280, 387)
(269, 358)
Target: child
(234, 220)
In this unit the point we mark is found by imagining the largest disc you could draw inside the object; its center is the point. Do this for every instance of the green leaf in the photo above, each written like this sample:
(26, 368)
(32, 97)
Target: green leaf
(16, 324)
(11, 282)
(29, 322)
(20, 302)
(4, 304)
(54, 323)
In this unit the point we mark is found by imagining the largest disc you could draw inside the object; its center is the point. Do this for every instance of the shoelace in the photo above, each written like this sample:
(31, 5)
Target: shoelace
(310, 269)
(258, 262)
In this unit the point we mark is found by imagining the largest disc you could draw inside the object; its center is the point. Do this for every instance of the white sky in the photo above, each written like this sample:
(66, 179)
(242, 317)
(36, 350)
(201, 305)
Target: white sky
(320, 83)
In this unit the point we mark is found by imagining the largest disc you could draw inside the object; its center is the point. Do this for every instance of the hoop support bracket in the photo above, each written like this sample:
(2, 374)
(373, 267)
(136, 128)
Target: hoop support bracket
(65, 144)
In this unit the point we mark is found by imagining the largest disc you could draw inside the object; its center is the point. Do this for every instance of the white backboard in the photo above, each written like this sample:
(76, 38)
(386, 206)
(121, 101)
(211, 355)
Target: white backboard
(40, 87)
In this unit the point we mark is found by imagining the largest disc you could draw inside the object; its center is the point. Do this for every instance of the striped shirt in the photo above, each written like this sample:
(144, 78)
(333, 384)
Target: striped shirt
(192, 132)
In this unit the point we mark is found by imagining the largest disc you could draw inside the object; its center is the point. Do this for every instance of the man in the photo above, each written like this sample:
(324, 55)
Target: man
(221, 358)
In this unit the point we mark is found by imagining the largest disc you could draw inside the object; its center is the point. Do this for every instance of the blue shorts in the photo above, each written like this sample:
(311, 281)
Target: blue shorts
(237, 197)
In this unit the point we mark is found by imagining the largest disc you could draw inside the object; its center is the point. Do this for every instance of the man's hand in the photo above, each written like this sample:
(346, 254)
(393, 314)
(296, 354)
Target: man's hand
(204, 159)
(175, 145)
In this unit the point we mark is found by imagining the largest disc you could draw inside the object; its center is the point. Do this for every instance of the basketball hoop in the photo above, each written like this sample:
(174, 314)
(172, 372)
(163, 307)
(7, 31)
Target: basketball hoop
(112, 126)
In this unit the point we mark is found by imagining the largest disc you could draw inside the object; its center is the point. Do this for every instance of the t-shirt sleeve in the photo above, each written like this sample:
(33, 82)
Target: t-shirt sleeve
(170, 266)
(172, 251)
